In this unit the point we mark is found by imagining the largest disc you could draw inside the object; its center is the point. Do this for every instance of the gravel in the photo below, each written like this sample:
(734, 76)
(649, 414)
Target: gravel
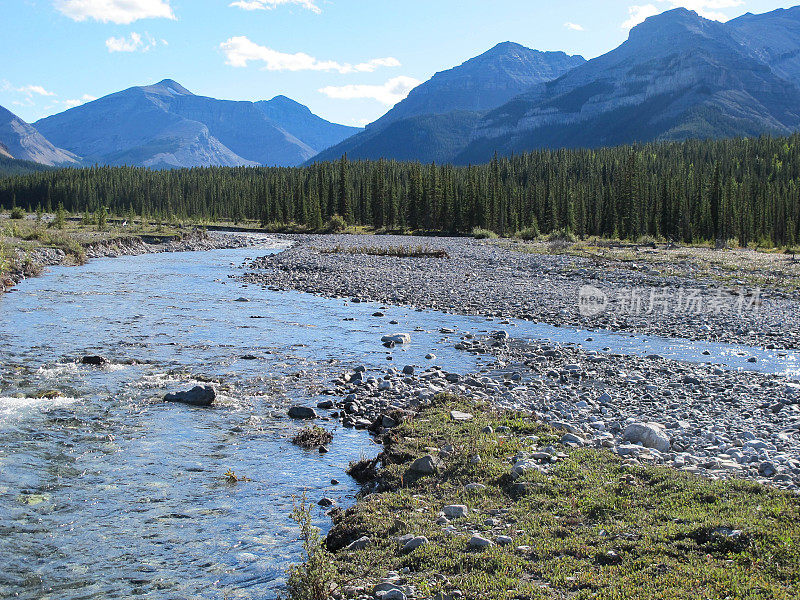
(485, 277)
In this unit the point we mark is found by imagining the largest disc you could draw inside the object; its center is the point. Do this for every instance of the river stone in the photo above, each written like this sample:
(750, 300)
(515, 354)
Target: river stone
(648, 435)
(457, 415)
(477, 541)
(360, 544)
(197, 396)
(95, 361)
(302, 412)
(397, 338)
(426, 465)
(455, 511)
(414, 543)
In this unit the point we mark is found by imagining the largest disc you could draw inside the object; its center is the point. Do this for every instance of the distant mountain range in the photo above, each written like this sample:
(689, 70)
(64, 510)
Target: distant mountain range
(677, 76)
(437, 116)
(166, 126)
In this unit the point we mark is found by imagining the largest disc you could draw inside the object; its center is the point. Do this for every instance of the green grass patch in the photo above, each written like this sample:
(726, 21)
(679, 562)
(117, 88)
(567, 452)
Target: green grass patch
(593, 527)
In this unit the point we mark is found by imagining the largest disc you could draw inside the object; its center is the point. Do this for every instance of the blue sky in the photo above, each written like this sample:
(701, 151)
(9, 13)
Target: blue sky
(348, 60)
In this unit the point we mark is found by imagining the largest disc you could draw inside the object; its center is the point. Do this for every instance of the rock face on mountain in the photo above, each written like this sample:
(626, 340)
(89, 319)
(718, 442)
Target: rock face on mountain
(166, 126)
(677, 76)
(774, 38)
(438, 115)
(483, 83)
(22, 141)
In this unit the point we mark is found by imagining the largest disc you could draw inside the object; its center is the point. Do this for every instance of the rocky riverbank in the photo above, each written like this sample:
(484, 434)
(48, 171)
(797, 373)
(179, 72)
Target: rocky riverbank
(698, 419)
(468, 501)
(491, 278)
(31, 262)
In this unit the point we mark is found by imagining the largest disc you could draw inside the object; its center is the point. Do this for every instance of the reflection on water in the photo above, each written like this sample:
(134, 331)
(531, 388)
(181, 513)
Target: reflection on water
(106, 492)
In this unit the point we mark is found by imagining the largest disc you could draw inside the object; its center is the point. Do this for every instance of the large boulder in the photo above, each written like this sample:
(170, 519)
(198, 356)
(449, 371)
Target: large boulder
(197, 396)
(426, 465)
(302, 412)
(648, 435)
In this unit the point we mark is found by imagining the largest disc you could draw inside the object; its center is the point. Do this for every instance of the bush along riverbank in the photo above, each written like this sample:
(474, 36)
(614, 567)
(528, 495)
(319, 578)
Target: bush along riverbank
(468, 501)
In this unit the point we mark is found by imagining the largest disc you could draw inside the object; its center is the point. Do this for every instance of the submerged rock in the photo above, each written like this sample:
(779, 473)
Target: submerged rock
(397, 338)
(197, 396)
(96, 361)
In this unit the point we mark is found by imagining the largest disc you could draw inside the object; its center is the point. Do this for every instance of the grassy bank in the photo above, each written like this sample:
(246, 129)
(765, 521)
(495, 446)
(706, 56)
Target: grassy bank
(22, 235)
(591, 527)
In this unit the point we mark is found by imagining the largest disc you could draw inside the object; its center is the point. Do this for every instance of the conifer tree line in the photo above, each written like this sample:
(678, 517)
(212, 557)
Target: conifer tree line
(746, 190)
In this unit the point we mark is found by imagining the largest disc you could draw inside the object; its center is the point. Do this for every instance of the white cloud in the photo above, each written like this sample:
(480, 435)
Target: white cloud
(638, 14)
(574, 26)
(390, 93)
(239, 51)
(132, 43)
(270, 4)
(28, 90)
(77, 102)
(122, 12)
(710, 9)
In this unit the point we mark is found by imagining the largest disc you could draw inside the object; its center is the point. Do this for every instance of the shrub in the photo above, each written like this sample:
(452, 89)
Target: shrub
(646, 240)
(17, 213)
(483, 234)
(101, 218)
(60, 220)
(529, 233)
(562, 235)
(312, 437)
(312, 579)
(395, 251)
(336, 224)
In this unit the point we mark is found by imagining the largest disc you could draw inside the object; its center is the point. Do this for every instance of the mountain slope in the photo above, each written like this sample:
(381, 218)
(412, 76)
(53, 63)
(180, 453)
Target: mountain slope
(300, 122)
(20, 140)
(677, 76)
(774, 37)
(478, 85)
(166, 126)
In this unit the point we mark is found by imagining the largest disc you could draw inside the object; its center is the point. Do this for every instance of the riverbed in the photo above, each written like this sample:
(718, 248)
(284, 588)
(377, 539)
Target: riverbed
(108, 492)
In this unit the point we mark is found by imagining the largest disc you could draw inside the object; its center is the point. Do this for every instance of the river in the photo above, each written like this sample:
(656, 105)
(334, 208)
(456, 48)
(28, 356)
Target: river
(108, 492)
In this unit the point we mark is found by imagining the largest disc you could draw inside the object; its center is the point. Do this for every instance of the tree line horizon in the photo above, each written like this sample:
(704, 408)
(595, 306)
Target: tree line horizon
(744, 189)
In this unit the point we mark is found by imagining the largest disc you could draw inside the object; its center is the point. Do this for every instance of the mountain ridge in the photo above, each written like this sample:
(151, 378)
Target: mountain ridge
(164, 125)
(476, 85)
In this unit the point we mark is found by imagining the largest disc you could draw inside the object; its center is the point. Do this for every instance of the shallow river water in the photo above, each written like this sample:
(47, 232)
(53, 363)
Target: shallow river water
(107, 492)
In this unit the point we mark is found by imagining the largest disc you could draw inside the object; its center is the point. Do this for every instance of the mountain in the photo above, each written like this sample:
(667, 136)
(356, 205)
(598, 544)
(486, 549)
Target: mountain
(20, 140)
(300, 122)
(438, 115)
(774, 38)
(167, 126)
(677, 76)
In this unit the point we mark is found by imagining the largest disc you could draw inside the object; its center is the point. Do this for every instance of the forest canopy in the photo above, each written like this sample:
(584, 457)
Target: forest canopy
(746, 190)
